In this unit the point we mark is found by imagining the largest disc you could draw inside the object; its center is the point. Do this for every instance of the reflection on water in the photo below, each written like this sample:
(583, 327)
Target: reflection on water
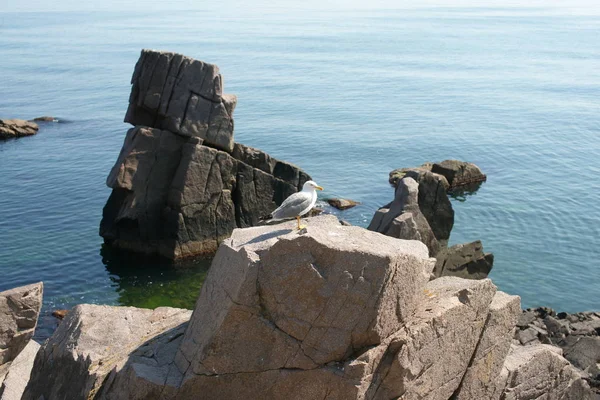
(462, 192)
(150, 282)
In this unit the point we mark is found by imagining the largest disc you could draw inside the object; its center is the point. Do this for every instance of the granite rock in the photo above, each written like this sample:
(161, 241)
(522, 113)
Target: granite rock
(464, 260)
(176, 197)
(459, 173)
(14, 128)
(540, 372)
(403, 218)
(18, 375)
(19, 311)
(182, 95)
(428, 358)
(433, 199)
(342, 204)
(494, 344)
(89, 343)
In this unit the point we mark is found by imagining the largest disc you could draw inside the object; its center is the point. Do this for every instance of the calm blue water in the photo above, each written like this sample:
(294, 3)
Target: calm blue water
(348, 96)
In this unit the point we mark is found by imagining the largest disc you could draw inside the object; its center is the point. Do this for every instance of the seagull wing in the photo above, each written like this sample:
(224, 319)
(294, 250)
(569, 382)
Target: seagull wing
(293, 205)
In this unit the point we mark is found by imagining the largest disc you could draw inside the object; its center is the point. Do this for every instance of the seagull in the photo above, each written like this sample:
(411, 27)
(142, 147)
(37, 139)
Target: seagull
(298, 204)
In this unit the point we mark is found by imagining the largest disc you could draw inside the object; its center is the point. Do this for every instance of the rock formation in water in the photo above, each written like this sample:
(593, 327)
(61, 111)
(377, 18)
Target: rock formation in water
(14, 128)
(19, 312)
(426, 214)
(331, 312)
(180, 184)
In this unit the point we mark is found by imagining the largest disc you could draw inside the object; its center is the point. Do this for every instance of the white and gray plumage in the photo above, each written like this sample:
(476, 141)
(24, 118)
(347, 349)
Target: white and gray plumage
(299, 203)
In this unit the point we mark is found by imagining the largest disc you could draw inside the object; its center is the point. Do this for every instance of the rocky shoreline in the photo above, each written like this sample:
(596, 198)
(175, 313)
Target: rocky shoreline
(330, 311)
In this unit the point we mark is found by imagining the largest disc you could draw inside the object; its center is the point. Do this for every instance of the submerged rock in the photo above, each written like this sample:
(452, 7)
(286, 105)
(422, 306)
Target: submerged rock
(45, 119)
(19, 312)
(14, 128)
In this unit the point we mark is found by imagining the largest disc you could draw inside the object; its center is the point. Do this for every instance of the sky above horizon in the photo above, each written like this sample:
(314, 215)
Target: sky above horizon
(578, 6)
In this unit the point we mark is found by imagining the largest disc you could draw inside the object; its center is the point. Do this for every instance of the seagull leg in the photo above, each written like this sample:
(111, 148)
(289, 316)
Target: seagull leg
(300, 226)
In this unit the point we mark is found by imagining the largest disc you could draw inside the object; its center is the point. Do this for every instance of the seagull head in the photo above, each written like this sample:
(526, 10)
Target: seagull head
(310, 186)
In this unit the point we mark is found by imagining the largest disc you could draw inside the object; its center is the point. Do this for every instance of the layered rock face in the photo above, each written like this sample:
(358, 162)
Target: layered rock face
(181, 184)
(14, 128)
(181, 95)
(330, 311)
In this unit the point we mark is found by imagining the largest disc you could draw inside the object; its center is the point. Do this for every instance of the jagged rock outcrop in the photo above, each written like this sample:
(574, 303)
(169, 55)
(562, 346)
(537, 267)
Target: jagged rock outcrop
(464, 260)
(433, 198)
(480, 380)
(182, 95)
(180, 183)
(19, 311)
(330, 311)
(403, 219)
(13, 384)
(14, 128)
(576, 334)
(539, 372)
(92, 341)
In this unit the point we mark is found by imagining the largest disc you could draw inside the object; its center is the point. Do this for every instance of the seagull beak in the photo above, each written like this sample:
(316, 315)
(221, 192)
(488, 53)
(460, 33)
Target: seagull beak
(318, 188)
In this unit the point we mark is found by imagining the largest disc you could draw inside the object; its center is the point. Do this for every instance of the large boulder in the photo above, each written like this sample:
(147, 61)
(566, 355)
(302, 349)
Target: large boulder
(479, 382)
(304, 298)
(283, 312)
(540, 372)
(14, 128)
(19, 311)
(182, 95)
(176, 197)
(464, 260)
(92, 341)
(403, 219)
(428, 357)
(17, 377)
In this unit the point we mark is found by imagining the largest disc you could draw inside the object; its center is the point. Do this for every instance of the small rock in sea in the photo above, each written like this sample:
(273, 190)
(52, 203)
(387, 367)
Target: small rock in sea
(459, 173)
(45, 119)
(13, 128)
(60, 314)
(342, 204)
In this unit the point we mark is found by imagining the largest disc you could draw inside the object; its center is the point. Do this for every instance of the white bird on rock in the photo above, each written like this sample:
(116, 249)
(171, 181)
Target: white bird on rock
(298, 204)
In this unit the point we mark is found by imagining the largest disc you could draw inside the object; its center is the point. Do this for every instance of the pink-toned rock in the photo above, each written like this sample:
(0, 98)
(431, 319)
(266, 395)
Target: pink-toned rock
(19, 311)
(14, 128)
